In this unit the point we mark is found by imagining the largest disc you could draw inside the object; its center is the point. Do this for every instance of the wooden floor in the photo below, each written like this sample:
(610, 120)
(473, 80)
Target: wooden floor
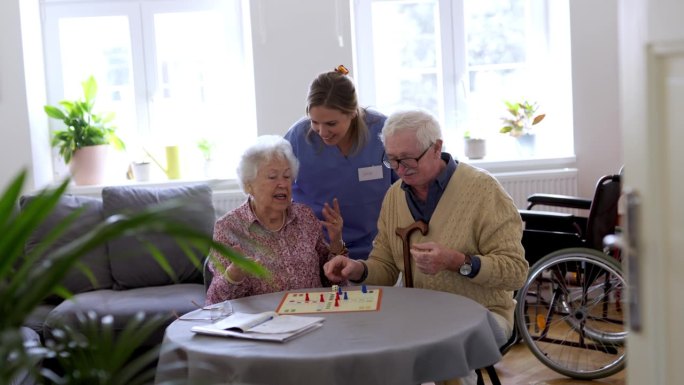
(520, 367)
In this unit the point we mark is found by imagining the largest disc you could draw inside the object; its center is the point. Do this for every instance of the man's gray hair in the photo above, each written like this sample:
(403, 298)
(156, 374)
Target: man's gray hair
(425, 126)
(266, 148)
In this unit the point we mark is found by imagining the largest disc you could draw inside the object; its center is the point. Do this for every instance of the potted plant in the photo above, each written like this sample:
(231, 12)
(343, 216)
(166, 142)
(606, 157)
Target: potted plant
(91, 355)
(84, 140)
(520, 119)
(474, 147)
(206, 147)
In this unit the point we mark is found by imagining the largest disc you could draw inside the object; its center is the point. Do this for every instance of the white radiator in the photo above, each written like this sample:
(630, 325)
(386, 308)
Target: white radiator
(226, 200)
(522, 184)
(518, 184)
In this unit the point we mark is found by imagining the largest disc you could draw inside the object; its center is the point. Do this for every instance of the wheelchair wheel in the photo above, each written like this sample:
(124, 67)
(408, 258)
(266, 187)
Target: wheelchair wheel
(569, 313)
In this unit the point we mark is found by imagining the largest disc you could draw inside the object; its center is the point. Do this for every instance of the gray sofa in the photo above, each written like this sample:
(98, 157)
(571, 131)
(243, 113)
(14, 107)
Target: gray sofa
(127, 278)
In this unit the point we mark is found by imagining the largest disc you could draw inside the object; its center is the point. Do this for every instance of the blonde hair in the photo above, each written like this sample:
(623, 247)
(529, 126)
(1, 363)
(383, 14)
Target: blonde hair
(336, 90)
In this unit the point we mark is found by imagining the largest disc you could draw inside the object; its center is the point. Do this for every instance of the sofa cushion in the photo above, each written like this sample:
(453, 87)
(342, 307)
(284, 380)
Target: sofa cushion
(132, 264)
(170, 302)
(96, 260)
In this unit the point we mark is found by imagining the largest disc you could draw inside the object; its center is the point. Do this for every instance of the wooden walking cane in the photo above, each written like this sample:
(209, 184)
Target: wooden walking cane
(405, 235)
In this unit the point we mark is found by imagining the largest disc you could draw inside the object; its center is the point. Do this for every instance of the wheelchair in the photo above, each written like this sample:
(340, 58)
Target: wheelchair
(569, 310)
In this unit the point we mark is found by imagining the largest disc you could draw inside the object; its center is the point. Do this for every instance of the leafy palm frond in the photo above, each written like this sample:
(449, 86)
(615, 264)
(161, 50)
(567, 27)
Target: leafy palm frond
(95, 353)
(26, 280)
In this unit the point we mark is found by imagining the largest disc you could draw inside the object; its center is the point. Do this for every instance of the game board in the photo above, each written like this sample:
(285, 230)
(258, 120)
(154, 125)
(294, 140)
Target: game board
(331, 301)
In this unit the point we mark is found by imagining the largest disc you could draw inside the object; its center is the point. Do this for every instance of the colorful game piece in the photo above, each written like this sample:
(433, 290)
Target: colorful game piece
(339, 290)
(353, 301)
(364, 289)
(307, 297)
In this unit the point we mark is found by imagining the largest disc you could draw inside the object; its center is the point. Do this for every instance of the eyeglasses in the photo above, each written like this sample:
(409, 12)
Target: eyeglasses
(406, 162)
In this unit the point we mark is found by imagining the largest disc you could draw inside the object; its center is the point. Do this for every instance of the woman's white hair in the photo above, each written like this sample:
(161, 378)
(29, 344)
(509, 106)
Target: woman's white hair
(422, 123)
(266, 148)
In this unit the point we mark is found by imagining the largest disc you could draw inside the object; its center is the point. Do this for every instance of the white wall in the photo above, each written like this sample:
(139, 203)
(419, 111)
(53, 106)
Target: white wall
(289, 51)
(15, 146)
(596, 115)
(293, 41)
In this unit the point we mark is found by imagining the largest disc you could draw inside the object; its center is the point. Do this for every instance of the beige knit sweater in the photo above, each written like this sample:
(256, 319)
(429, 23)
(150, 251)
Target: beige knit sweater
(474, 216)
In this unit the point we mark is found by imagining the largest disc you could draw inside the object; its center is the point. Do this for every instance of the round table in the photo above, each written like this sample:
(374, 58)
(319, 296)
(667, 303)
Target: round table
(417, 336)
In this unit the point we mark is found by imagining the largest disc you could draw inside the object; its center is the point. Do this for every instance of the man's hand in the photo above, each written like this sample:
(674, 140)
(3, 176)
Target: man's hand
(341, 268)
(431, 257)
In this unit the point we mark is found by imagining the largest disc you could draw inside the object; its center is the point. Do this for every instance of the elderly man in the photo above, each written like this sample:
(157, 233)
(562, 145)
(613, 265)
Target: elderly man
(473, 243)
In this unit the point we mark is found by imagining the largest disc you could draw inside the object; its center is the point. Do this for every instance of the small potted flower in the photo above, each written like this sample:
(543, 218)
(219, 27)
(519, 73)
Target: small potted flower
(520, 119)
(474, 147)
(206, 147)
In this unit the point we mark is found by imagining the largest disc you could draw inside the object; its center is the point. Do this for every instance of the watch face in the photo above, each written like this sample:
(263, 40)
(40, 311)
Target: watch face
(465, 269)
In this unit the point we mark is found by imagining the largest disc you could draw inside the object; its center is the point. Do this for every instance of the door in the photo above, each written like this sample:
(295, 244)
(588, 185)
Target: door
(652, 112)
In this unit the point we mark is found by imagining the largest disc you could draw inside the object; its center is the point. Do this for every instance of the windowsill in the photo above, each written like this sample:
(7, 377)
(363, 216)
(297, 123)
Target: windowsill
(215, 184)
(493, 166)
(500, 166)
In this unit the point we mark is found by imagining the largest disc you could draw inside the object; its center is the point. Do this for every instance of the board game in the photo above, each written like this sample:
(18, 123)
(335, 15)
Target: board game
(336, 300)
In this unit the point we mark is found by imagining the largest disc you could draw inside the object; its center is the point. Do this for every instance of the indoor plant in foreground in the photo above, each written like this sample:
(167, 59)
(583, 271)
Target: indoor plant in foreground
(89, 354)
(84, 140)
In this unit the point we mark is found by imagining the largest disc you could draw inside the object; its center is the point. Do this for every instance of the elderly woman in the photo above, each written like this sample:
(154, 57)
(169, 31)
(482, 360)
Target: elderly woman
(284, 237)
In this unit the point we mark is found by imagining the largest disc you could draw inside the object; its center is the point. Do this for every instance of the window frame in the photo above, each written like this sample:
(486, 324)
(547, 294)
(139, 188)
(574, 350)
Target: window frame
(553, 22)
(140, 15)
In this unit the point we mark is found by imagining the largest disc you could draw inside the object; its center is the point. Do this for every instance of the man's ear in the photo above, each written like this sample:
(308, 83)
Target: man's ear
(438, 146)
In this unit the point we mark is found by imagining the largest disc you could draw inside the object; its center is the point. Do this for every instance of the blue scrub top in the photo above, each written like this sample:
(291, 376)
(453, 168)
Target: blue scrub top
(324, 174)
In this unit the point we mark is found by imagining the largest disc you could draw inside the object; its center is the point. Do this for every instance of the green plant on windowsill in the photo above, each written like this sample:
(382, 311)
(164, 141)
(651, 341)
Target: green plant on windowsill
(83, 127)
(89, 354)
(206, 148)
(520, 119)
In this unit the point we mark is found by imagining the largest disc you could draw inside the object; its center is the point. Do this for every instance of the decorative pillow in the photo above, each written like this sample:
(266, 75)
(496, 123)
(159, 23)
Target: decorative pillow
(132, 264)
(96, 260)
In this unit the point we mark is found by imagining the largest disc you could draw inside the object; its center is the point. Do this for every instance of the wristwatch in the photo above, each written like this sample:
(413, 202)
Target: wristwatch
(466, 268)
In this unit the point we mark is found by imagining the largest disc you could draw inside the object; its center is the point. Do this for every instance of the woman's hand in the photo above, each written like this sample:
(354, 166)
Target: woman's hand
(234, 274)
(333, 223)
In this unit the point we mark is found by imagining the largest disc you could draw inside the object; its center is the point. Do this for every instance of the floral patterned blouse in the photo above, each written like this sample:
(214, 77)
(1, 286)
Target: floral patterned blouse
(294, 255)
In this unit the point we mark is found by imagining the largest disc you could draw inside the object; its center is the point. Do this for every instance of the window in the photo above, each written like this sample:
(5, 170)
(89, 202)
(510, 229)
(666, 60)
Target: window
(174, 73)
(461, 59)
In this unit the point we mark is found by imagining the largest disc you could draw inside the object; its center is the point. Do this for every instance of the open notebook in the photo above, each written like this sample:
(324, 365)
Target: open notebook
(267, 326)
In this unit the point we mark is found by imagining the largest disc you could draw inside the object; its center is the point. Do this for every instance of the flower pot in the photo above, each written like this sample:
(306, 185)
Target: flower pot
(89, 165)
(526, 145)
(210, 168)
(141, 171)
(475, 148)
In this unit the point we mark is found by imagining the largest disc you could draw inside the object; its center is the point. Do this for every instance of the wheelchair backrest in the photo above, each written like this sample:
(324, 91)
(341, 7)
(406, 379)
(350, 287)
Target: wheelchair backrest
(603, 213)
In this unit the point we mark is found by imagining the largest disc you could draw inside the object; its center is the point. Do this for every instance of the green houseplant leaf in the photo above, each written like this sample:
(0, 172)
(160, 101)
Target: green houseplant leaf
(82, 126)
(25, 280)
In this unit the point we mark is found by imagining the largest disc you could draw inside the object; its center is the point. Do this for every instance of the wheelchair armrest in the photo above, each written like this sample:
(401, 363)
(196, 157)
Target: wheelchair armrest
(551, 215)
(558, 201)
(553, 221)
